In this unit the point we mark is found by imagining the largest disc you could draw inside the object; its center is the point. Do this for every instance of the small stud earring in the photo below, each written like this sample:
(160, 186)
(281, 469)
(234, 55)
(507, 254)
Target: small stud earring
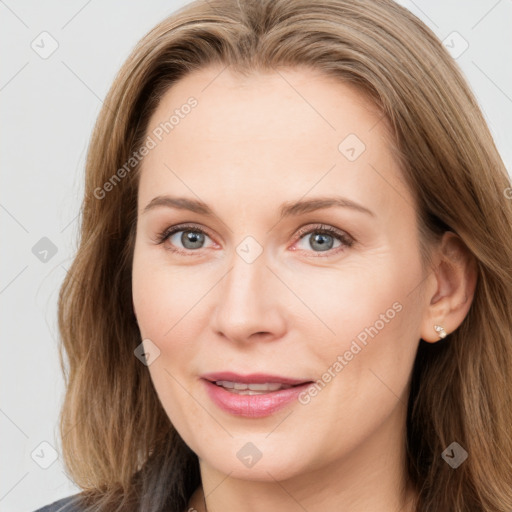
(440, 331)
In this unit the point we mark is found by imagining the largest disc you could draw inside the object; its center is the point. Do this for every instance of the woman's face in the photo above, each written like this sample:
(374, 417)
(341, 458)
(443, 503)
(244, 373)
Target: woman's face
(257, 169)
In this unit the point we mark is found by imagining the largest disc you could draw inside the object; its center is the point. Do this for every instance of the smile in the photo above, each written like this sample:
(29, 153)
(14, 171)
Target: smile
(242, 388)
(252, 400)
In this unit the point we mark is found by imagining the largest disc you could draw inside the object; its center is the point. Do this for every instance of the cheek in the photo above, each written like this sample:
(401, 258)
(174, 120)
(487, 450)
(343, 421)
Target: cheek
(163, 299)
(340, 303)
(163, 295)
(148, 301)
(369, 321)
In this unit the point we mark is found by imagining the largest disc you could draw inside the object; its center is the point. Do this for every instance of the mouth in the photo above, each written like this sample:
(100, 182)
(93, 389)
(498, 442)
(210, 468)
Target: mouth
(252, 396)
(258, 382)
(241, 388)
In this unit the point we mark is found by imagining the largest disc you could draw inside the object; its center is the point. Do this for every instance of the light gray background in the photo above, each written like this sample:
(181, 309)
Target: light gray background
(48, 107)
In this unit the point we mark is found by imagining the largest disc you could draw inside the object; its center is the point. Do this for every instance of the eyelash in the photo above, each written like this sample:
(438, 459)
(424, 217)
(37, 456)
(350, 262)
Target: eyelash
(346, 240)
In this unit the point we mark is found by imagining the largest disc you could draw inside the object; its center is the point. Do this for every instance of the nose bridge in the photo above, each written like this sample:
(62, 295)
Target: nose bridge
(248, 298)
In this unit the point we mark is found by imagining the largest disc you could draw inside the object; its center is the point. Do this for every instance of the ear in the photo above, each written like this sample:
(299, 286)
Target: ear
(451, 287)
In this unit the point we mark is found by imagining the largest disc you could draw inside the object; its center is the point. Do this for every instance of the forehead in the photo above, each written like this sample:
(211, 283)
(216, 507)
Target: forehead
(269, 134)
(281, 105)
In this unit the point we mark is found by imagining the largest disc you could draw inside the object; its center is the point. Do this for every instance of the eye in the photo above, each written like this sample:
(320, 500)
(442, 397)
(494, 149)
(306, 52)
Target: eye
(190, 237)
(322, 238)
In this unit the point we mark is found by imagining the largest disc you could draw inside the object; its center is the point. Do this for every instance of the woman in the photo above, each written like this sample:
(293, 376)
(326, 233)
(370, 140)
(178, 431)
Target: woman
(293, 287)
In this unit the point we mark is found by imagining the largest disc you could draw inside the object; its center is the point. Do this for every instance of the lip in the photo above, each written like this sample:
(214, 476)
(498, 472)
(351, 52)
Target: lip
(252, 406)
(256, 378)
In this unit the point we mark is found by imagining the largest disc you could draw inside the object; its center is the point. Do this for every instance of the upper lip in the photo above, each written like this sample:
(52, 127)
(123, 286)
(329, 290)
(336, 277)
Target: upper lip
(253, 378)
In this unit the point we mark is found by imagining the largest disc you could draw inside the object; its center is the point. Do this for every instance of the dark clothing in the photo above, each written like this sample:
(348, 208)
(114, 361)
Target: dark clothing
(62, 505)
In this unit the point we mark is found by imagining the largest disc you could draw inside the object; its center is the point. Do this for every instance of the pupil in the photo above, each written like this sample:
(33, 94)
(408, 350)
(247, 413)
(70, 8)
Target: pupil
(321, 240)
(191, 237)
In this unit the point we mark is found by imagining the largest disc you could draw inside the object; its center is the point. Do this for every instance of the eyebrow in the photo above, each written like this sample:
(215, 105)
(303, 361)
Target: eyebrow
(290, 208)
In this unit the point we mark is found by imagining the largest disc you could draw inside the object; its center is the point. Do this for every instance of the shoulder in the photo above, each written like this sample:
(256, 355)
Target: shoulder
(68, 504)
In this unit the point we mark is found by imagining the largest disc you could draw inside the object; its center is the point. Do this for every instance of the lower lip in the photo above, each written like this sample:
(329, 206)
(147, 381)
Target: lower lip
(253, 406)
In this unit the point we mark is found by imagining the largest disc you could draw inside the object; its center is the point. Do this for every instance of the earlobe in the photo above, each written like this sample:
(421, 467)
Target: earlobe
(440, 331)
(455, 282)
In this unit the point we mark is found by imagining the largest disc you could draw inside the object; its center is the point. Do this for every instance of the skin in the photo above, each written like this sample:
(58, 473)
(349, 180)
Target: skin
(250, 145)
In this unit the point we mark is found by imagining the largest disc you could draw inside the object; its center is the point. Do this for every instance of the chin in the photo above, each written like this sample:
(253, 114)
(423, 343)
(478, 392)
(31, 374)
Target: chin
(256, 458)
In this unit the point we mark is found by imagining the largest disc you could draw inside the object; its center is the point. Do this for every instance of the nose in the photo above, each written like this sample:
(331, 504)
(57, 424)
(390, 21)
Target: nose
(249, 303)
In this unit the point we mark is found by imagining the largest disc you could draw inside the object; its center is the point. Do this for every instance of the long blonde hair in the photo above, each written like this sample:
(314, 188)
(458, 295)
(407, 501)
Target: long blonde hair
(118, 443)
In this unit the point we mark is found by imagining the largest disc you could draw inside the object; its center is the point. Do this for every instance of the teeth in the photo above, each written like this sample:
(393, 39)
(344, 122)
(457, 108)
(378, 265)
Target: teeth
(225, 384)
(251, 389)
